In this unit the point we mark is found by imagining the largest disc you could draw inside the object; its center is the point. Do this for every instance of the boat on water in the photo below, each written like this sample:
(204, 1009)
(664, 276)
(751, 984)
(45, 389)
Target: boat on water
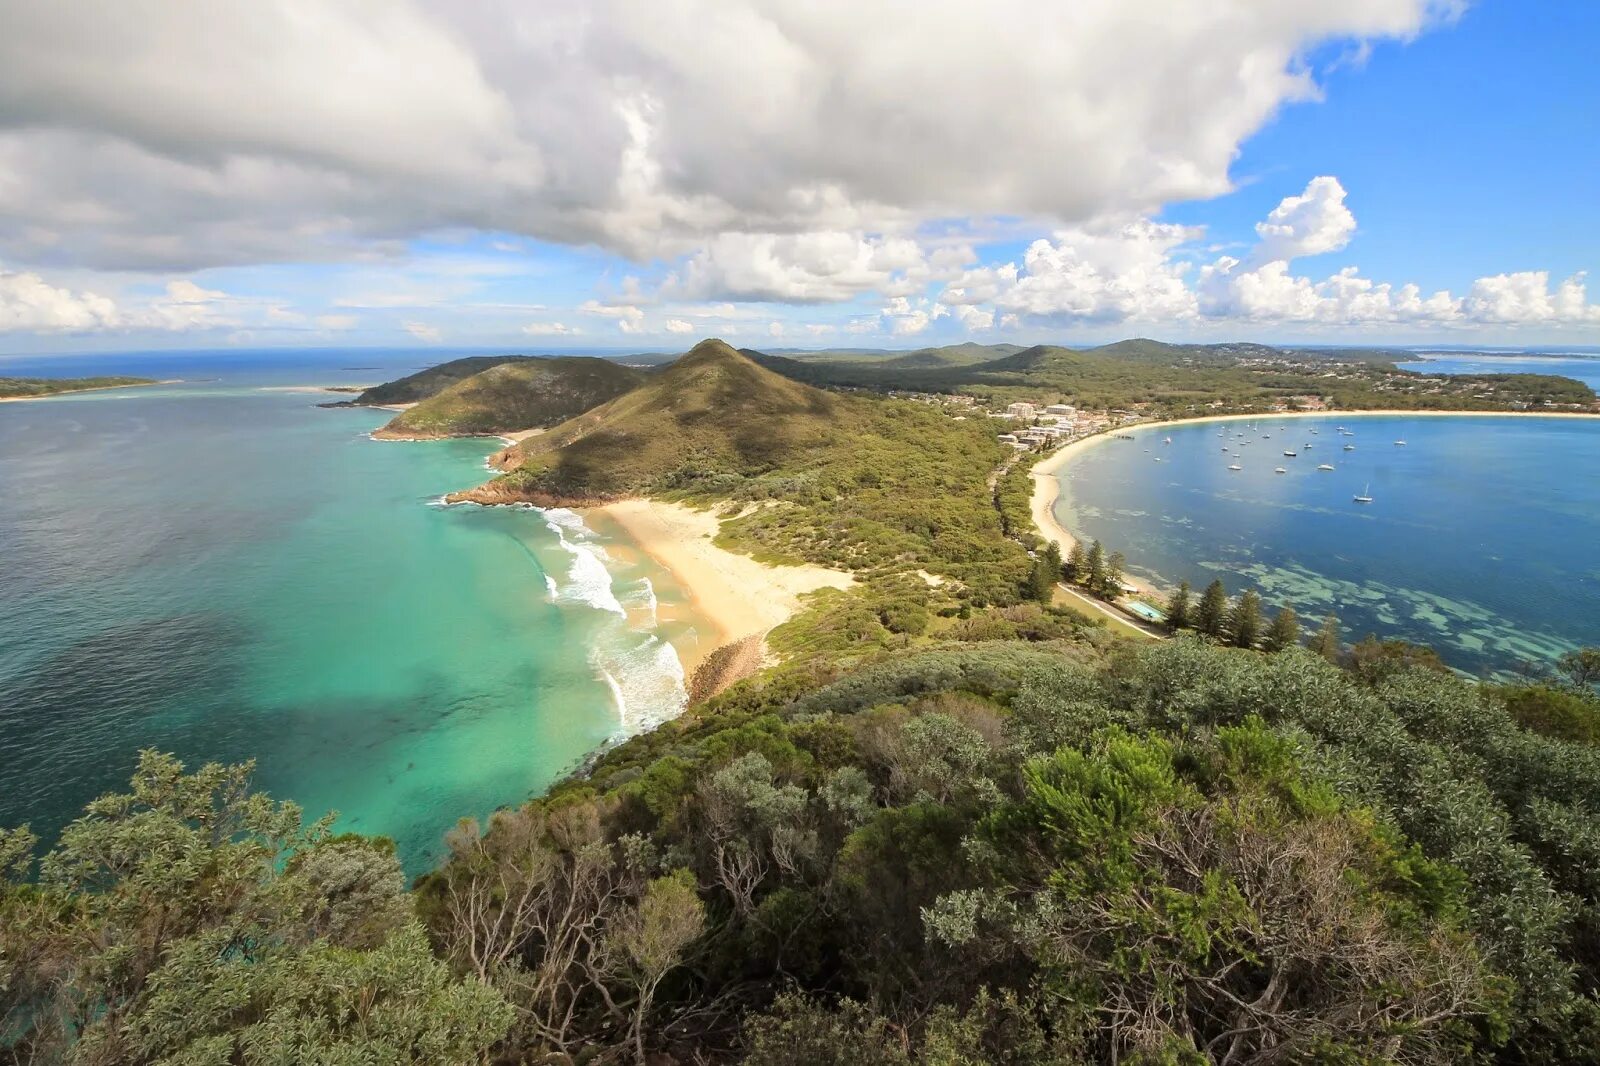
(1280, 470)
(1235, 466)
(1290, 452)
(1166, 440)
(1325, 466)
(1366, 494)
(1306, 446)
(1349, 447)
(1399, 444)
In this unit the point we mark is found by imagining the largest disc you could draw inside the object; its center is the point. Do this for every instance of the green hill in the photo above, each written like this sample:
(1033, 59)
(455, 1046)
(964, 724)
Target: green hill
(853, 481)
(713, 407)
(414, 388)
(516, 395)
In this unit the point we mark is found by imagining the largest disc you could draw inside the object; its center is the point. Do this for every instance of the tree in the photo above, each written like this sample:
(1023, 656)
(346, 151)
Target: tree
(1212, 616)
(1582, 666)
(1111, 587)
(1326, 643)
(1045, 573)
(1095, 567)
(650, 942)
(1244, 621)
(193, 919)
(1284, 632)
(1179, 608)
(1077, 567)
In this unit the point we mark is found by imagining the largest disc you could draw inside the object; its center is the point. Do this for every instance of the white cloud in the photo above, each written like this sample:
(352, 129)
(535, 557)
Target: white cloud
(647, 127)
(907, 319)
(338, 322)
(808, 267)
(1139, 272)
(1107, 274)
(678, 325)
(423, 332)
(550, 329)
(974, 318)
(630, 318)
(1312, 223)
(28, 303)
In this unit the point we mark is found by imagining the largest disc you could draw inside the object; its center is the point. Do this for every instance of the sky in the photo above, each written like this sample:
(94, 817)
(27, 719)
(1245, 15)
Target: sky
(640, 174)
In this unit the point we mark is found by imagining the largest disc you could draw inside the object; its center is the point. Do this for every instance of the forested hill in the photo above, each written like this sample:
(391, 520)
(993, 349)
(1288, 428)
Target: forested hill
(19, 388)
(517, 395)
(414, 388)
(1191, 379)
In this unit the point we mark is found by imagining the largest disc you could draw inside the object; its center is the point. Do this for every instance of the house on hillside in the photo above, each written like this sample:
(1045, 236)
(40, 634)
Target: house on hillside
(1024, 411)
(1060, 410)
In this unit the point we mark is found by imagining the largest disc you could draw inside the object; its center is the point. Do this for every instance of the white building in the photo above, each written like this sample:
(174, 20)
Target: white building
(1061, 410)
(1021, 410)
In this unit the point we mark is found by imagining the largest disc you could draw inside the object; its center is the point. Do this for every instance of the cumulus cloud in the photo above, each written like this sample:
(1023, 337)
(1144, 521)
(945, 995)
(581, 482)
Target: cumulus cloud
(30, 304)
(550, 329)
(278, 130)
(1140, 271)
(629, 318)
(1312, 223)
(679, 325)
(809, 267)
(423, 332)
(907, 318)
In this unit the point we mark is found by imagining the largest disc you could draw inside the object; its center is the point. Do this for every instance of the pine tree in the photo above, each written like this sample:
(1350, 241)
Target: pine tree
(1052, 561)
(1244, 621)
(1077, 563)
(1095, 569)
(1212, 616)
(1042, 578)
(1326, 642)
(1111, 587)
(1284, 632)
(1179, 609)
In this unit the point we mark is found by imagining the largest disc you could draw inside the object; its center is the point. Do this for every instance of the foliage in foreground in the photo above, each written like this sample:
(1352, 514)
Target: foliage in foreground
(980, 853)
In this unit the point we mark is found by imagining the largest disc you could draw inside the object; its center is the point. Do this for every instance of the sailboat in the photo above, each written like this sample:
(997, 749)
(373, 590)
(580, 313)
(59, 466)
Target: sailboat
(1399, 444)
(1279, 470)
(1349, 447)
(1235, 466)
(1366, 494)
(1325, 466)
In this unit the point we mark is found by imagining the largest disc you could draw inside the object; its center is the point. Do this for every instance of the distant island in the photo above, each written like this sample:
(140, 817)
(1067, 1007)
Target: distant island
(36, 388)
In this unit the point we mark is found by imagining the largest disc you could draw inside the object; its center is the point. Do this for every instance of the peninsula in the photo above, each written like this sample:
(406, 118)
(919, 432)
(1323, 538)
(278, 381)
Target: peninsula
(38, 388)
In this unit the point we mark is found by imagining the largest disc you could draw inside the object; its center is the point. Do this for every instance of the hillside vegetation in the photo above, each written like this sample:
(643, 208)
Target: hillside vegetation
(1044, 854)
(1190, 379)
(15, 388)
(862, 483)
(517, 395)
(414, 388)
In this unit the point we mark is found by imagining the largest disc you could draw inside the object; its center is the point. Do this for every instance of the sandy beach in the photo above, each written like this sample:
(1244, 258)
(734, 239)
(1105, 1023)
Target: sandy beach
(96, 388)
(740, 597)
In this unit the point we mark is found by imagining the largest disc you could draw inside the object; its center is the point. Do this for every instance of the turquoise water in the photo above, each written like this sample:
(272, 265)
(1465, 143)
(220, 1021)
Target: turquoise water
(1483, 537)
(229, 572)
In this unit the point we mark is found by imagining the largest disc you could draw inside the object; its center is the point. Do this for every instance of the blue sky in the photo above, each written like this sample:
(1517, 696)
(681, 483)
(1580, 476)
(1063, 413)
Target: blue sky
(1406, 171)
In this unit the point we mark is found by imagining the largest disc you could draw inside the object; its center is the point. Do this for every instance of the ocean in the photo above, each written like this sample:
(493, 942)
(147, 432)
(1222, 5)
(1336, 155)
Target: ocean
(1480, 539)
(1581, 366)
(223, 570)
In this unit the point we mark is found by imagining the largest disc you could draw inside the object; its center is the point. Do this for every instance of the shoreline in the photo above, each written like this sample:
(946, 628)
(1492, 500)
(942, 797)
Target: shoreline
(740, 599)
(1047, 487)
(91, 388)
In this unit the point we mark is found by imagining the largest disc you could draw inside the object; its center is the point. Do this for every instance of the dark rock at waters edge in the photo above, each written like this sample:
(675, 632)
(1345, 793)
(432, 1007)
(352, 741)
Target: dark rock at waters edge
(726, 665)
